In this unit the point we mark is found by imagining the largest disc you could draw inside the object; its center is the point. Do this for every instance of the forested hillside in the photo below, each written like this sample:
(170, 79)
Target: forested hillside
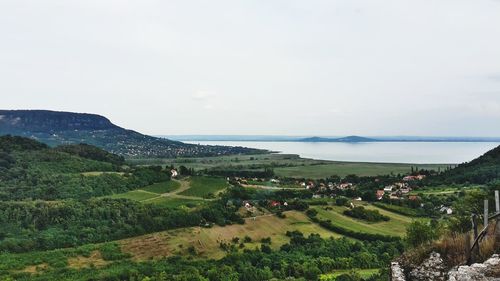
(482, 170)
(57, 128)
(32, 170)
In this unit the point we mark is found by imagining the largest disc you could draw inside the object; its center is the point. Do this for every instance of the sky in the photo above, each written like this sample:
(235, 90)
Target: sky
(267, 67)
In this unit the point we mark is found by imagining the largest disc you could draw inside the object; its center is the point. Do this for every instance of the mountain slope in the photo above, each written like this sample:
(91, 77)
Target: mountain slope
(482, 170)
(56, 128)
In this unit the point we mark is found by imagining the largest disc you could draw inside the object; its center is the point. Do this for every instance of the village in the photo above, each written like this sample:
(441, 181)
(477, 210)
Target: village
(401, 191)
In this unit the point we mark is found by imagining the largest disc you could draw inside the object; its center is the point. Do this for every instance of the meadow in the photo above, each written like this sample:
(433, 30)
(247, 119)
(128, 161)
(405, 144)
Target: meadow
(289, 165)
(396, 226)
(204, 186)
(206, 241)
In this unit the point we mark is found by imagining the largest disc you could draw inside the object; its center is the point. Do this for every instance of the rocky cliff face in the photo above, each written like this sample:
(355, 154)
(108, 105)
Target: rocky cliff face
(43, 121)
(433, 269)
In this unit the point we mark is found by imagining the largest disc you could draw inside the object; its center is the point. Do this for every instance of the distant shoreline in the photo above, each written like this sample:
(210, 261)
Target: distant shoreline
(349, 139)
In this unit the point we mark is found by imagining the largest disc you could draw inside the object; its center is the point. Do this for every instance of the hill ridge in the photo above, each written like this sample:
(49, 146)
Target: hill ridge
(59, 128)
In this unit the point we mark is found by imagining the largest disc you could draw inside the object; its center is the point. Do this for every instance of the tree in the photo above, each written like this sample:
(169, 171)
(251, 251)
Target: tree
(420, 232)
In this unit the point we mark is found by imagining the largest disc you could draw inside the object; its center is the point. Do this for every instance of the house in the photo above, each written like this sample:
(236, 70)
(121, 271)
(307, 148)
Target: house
(343, 186)
(405, 190)
(380, 194)
(275, 181)
(275, 204)
(409, 178)
(174, 173)
(388, 188)
(413, 178)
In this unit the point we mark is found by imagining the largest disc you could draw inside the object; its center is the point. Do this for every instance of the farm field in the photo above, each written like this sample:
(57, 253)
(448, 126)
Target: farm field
(289, 165)
(137, 195)
(206, 240)
(396, 226)
(163, 187)
(203, 186)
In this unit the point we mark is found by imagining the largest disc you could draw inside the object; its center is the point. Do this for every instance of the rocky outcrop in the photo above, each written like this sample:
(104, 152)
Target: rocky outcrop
(487, 271)
(397, 272)
(433, 269)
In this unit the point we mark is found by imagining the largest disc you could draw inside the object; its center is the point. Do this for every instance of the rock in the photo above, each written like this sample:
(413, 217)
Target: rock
(487, 271)
(397, 273)
(432, 269)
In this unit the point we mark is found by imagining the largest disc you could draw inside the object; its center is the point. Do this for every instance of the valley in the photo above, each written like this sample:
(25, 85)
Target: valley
(77, 212)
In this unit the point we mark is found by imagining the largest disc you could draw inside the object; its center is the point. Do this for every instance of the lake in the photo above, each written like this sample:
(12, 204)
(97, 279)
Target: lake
(383, 152)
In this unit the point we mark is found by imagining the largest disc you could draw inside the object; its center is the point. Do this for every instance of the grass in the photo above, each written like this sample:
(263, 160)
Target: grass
(162, 187)
(174, 202)
(289, 165)
(396, 226)
(444, 190)
(206, 240)
(137, 195)
(203, 186)
(364, 273)
(343, 169)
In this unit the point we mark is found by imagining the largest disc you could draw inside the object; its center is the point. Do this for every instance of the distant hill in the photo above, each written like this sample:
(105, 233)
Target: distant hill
(344, 139)
(482, 170)
(59, 128)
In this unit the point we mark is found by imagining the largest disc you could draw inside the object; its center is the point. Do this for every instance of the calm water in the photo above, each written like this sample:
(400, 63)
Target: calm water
(389, 152)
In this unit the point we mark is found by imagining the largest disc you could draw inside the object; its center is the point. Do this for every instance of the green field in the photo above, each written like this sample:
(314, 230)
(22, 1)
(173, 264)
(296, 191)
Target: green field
(364, 273)
(396, 226)
(163, 187)
(343, 169)
(137, 195)
(289, 165)
(203, 186)
(174, 202)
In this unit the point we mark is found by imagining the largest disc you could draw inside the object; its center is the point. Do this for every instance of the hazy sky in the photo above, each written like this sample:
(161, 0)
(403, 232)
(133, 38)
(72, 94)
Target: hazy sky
(333, 67)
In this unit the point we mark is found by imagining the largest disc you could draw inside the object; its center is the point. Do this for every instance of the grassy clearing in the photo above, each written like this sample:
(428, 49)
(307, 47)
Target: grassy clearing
(203, 186)
(174, 202)
(137, 195)
(365, 273)
(396, 226)
(162, 187)
(206, 240)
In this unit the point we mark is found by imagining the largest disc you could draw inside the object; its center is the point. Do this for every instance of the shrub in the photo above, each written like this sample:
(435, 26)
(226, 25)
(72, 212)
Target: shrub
(364, 214)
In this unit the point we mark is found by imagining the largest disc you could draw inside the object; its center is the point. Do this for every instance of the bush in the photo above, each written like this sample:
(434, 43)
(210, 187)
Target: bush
(419, 233)
(364, 214)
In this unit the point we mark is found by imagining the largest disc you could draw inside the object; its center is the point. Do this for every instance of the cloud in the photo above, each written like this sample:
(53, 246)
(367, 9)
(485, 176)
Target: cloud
(203, 95)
